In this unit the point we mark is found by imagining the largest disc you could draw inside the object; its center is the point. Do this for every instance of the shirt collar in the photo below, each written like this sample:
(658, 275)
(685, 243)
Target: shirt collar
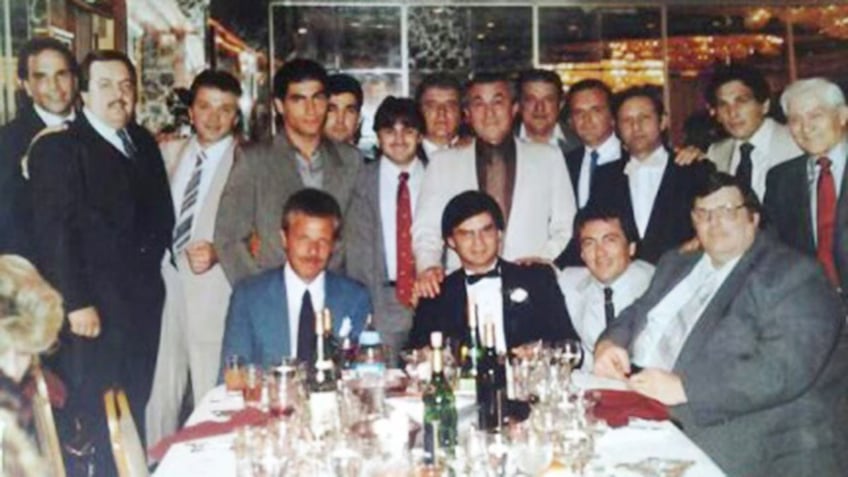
(101, 127)
(430, 147)
(415, 168)
(314, 165)
(761, 139)
(52, 119)
(490, 268)
(217, 149)
(837, 153)
(556, 134)
(609, 149)
(298, 284)
(656, 160)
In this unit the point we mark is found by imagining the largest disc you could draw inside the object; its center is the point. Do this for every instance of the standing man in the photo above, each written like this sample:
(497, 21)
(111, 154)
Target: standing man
(103, 220)
(378, 237)
(344, 109)
(527, 180)
(439, 98)
(47, 72)
(268, 173)
(197, 289)
(540, 100)
(805, 197)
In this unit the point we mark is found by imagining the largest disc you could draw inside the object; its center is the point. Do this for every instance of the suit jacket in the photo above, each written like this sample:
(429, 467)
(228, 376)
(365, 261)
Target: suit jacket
(262, 179)
(257, 326)
(787, 208)
(541, 316)
(670, 223)
(541, 214)
(756, 367)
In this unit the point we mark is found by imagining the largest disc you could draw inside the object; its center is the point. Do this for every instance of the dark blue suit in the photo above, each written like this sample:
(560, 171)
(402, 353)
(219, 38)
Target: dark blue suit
(257, 326)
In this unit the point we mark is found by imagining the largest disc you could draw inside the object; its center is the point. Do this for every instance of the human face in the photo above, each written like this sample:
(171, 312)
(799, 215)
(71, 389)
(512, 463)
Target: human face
(308, 244)
(304, 109)
(640, 126)
(591, 117)
(477, 241)
(738, 110)
(540, 104)
(440, 107)
(605, 249)
(342, 118)
(728, 237)
(490, 111)
(213, 114)
(816, 126)
(399, 143)
(50, 82)
(111, 93)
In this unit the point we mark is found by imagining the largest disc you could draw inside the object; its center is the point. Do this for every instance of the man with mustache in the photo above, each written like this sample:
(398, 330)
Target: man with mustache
(540, 101)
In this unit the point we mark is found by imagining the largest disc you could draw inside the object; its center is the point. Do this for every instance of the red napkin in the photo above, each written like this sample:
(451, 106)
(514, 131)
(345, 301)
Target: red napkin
(617, 407)
(246, 417)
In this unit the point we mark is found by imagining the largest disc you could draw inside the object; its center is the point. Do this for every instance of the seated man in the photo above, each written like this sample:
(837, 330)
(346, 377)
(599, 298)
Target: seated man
(610, 281)
(523, 301)
(740, 341)
(273, 314)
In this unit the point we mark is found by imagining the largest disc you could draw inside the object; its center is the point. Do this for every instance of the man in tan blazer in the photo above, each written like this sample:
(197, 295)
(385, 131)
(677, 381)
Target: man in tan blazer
(197, 291)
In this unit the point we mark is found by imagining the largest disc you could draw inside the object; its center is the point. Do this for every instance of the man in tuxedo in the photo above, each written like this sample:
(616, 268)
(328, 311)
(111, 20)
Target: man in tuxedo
(378, 235)
(647, 187)
(102, 221)
(523, 301)
(439, 98)
(611, 280)
(47, 72)
(344, 109)
(273, 314)
(197, 291)
(744, 342)
(805, 197)
(266, 174)
(528, 181)
(540, 101)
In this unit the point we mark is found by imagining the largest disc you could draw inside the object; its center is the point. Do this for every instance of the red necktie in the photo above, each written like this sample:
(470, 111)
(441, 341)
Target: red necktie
(403, 237)
(826, 219)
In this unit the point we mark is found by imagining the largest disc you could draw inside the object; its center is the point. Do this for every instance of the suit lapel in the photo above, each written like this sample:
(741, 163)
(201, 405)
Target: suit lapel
(573, 161)
(205, 215)
(840, 241)
(278, 332)
(372, 193)
(333, 169)
(334, 299)
(802, 191)
(665, 195)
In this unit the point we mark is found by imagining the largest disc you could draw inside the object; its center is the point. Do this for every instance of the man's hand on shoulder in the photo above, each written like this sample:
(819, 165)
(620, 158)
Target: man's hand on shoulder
(611, 361)
(689, 155)
(85, 322)
(429, 282)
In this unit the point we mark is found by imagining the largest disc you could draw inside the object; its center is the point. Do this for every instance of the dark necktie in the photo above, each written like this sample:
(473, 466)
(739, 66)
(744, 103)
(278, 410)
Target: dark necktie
(743, 170)
(126, 141)
(609, 308)
(182, 232)
(493, 273)
(826, 219)
(403, 237)
(306, 330)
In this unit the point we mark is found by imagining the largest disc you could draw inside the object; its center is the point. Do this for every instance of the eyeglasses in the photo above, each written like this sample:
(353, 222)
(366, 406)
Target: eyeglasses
(722, 212)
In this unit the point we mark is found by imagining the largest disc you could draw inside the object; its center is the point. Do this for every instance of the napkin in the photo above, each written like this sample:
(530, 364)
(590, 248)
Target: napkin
(247, 417)
(617, 407)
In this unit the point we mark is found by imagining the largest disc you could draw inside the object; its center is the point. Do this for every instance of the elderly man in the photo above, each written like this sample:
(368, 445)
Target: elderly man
(805, 198)
(439, 98)
(739, 341)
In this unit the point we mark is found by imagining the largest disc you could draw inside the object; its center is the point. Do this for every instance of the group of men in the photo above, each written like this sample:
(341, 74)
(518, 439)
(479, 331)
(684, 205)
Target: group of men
(172, 257)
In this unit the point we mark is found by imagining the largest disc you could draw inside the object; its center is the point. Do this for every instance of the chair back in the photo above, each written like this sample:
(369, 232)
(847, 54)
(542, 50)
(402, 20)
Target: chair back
(45, 425)
(123, 435)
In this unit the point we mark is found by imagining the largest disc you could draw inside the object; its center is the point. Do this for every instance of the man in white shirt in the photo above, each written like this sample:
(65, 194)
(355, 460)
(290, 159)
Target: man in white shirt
(610, 281)
(439, 99)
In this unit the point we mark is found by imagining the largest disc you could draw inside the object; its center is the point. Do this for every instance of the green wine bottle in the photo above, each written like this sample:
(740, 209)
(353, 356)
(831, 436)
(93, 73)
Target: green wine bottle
(440, 418)
(470, 352)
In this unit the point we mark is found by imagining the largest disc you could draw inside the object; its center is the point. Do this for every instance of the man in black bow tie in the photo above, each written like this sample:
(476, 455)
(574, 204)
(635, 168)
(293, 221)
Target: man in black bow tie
(524, 302)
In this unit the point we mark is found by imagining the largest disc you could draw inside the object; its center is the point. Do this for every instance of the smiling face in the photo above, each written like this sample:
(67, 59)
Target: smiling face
(491, 111)
(605, 249)
(539, 106)
(591, 117)
(50, 82)
(399, 143)
(738, 110)
(477, 241)
(111, 93)
(214, 114)
(816, 126)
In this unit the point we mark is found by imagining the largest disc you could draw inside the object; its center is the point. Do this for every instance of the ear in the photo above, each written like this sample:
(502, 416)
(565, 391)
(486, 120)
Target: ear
(451, 243)
(664, 122)
(515, 108)
(278, 105)
(25, 85)
(84, 96)
(283, 238)
(843, 115)
(766, 106)
(631, 249)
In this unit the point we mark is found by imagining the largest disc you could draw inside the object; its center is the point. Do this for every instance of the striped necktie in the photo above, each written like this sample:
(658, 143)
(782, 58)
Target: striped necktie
(129, 147)
(182, 233)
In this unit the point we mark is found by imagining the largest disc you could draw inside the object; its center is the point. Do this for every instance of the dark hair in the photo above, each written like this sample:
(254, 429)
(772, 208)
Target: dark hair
(38, 44)
(403, 110)
(103, 56)
(313, 203)
(716, 180)
(341, 83)
(586, 85)
(487, 77)
(295, 71)
(539, 75)
(217, 79)
(747, 75)
(595, 212)
(466, 205)
(440, 81)
(653, 93)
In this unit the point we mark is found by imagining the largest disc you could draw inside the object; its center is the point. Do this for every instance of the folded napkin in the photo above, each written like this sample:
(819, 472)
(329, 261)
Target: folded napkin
(246, 417)
(617, 407)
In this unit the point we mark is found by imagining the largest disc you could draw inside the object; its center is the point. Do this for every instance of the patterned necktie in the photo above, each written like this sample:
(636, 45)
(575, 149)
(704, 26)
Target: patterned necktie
(306, 330)
(609, 308)
(405, 277)
(743, 170)
(182, 232)
(129, 148)
(826, 219)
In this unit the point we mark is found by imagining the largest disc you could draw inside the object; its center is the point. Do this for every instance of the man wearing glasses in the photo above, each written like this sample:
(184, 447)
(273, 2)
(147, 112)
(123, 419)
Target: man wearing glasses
(740, 341)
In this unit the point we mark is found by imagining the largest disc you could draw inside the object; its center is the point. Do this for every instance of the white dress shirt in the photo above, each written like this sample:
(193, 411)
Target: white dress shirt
(608, 151)
(108, 133)
(644, 177)
(295, 288)
(837, 169)
(487, 296)
(51, 119)
(431, 147)
(389, 180)
(556, 135)
(763, 158)
(185, 169)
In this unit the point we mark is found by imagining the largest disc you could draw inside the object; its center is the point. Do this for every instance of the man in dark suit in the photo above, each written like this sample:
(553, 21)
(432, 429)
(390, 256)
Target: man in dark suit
(273, 314)
(805, 197)
(743, 341)
(103, 217)
(48, 73)
(523, 301)
(266, 174)
(540, 100)
(647, 187)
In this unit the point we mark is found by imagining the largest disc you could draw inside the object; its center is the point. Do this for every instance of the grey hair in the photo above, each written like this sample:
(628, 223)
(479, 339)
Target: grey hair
(822, 88)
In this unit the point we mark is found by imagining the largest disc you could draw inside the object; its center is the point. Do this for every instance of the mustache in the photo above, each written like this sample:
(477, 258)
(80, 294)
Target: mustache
(118, 102)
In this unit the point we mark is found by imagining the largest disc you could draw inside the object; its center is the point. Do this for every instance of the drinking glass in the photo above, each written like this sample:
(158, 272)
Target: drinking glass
(233, 374)
(252, 390)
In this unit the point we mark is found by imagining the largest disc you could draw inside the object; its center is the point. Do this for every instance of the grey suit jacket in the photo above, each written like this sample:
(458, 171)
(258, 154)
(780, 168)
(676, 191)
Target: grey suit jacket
(757, 366)
(262, 179)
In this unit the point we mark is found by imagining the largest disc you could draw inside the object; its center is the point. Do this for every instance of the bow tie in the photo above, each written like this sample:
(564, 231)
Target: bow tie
(493, 273)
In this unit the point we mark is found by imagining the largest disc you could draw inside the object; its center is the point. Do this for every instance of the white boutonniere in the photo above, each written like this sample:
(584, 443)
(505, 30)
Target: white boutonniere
(518, 295)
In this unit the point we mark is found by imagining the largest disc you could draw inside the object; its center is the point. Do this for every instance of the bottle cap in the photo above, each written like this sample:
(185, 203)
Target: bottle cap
(436, 339)
(369, 338)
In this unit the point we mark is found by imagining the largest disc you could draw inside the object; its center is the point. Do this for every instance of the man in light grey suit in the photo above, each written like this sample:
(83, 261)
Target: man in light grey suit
(265, 175)
(743, 341)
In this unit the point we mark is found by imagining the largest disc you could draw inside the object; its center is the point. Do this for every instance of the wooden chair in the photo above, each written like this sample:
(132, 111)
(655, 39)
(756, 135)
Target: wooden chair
(123, 434)
(45, 425)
